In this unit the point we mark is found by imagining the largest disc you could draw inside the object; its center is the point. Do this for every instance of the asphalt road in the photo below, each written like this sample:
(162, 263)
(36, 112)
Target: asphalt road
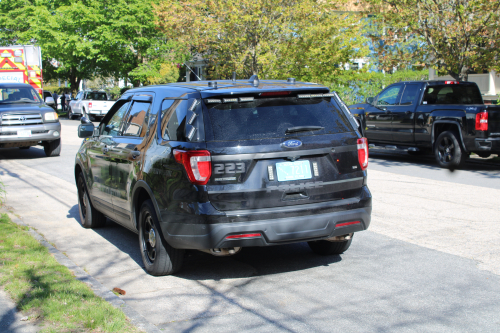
(428, 263)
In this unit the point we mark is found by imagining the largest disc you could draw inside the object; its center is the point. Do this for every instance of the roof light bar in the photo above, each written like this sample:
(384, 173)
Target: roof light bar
(212, 101)
(451, 82)
(246, 99)
(230, 100)
(311, 95)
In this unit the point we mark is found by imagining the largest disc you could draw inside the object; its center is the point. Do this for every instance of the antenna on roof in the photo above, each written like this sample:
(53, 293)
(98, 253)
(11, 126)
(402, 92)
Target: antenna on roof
(254, 79)
(234, 76)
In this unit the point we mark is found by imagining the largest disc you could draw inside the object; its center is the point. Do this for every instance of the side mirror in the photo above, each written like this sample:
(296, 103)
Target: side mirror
(86, 130)
(369, 100)
(49, 100)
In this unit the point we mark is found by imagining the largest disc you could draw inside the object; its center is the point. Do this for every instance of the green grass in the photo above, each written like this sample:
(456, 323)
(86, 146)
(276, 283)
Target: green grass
(47, 291)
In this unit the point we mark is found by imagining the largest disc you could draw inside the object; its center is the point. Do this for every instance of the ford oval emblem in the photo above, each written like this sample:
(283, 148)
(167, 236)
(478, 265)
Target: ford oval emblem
(292, 144)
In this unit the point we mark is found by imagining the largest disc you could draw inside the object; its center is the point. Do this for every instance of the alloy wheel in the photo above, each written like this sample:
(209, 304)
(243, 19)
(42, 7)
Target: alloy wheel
(446, 149)
(149, 238)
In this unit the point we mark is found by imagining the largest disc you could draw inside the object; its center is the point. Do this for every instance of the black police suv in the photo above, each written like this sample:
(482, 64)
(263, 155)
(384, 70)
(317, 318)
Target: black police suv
(218, 166)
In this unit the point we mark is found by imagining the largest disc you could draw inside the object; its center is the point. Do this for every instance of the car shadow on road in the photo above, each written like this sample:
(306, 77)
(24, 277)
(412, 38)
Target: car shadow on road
(252, 261)
(22, 154)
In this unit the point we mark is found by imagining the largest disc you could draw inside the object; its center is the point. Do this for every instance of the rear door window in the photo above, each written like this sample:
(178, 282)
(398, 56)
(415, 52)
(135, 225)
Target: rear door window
(113, 127)
(410, 94)
(271, 117)
(452, 94)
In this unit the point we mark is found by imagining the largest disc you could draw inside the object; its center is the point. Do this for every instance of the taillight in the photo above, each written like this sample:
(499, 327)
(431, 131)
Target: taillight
(482, 121)
(363, 153)
(90, 105)
(197, 163)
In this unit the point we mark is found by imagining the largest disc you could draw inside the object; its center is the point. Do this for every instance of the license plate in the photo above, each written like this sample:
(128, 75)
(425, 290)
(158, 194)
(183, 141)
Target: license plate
(24, 134)
(293, 170)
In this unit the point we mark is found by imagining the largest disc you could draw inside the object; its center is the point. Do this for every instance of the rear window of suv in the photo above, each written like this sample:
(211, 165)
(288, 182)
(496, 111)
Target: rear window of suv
(452, 94)
(271, 117)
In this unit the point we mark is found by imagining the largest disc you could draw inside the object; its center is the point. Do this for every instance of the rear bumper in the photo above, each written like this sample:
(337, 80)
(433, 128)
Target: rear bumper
(273, 231)
(44, 132)
(487, 145)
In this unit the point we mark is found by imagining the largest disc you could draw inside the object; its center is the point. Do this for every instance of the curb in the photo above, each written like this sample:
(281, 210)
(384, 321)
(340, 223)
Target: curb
(136, 318)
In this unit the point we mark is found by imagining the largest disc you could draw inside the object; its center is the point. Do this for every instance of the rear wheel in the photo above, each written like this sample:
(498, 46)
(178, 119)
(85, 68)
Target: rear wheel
(52, 148)
(89, 216)
(159, 258)
(326, 248)
(448, 151)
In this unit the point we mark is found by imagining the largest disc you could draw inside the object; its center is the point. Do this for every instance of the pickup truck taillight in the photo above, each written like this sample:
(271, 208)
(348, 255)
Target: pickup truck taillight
(90, 105)
(363, 153)
(197, 163)
(482, 121)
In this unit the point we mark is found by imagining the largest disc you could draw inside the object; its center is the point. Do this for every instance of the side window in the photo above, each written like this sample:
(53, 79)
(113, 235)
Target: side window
(137, 120)
(174, 128)
(114, 124)
(410, 94)
(389, 96)
(79, 96)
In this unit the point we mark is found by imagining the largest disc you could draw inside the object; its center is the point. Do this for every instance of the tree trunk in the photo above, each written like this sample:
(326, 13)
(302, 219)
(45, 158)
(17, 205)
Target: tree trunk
(464, 74)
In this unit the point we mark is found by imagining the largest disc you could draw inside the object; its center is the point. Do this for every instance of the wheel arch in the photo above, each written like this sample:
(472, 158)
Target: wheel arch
(141, 193)
(440, 126)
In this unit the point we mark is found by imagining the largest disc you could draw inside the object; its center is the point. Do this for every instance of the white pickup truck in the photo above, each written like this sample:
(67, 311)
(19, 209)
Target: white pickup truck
(91, 104)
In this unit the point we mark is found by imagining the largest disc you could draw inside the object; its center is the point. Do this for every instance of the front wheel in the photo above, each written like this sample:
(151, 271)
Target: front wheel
(52, 148)
(326, 248)
(89, 216)
(159, 258)
(448, 151)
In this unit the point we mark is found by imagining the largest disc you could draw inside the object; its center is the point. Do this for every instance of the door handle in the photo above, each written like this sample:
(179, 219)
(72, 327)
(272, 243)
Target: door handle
(105, 150)
(135, 154)
(408, 112)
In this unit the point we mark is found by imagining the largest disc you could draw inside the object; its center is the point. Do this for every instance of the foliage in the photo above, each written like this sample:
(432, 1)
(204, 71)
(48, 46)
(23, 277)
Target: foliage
(453, 36)
(83, 39)
(48, 291)
(354, 87)
(306, 39)
(156, 72)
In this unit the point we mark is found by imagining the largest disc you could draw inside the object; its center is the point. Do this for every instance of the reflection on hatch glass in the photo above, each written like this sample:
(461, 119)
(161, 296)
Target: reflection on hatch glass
(272, 117)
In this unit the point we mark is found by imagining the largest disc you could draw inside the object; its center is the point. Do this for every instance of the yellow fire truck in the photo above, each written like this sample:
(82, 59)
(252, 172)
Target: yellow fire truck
(22, 64)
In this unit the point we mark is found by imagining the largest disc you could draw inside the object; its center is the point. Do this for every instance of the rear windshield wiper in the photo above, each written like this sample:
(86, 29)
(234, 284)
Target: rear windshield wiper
(303, 129)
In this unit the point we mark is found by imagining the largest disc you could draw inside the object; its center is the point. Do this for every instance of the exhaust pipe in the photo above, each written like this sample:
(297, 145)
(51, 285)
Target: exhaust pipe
(339, 238)
(222, 252)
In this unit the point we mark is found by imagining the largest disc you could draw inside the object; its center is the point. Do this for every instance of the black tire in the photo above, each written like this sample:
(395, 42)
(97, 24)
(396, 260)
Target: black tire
(326, 248)
(24, 147)
(448, 151)
(70, 114)
(484, 155)
(89, 216)
(52, 148)
(159, 258)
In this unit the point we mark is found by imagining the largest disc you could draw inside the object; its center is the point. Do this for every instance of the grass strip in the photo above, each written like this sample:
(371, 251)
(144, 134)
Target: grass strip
(47, 291)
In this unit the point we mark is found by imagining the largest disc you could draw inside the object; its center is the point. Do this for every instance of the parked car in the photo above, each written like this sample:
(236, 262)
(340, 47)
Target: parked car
(26, 120)
(218, 166)
(91, 104)
(447, 118)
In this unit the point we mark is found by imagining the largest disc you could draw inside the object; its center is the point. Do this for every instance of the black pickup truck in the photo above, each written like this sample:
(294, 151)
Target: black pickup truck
(447, 118)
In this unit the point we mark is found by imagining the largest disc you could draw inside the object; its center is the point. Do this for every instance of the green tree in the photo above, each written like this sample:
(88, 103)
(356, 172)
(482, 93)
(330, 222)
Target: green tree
(453, 36)
(306, 39)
